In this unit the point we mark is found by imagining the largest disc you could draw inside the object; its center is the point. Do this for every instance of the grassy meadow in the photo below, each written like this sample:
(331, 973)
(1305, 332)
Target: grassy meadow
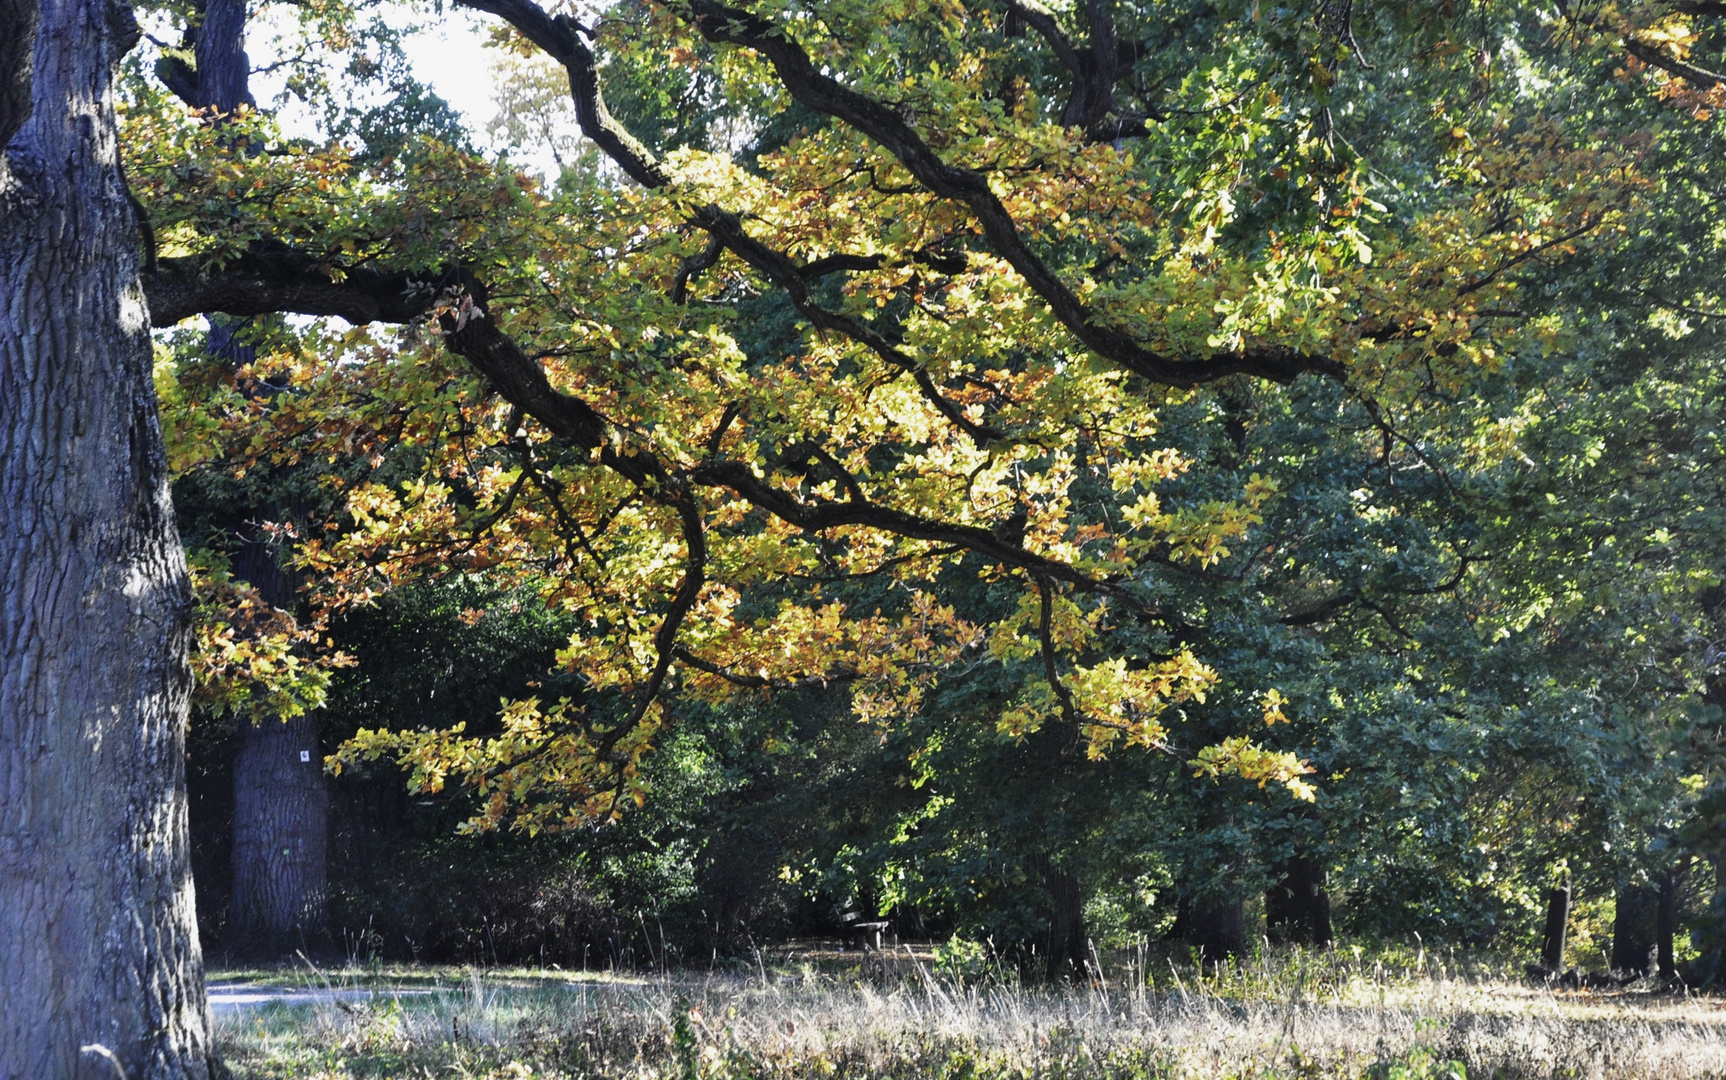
(809, 1013)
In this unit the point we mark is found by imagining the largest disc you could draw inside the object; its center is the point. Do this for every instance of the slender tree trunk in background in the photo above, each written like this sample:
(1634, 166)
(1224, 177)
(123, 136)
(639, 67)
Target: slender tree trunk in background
(1297, 907)
(1065, 947)
(1557, 920)
(98, 943)
(280, 876)
(1633, 929)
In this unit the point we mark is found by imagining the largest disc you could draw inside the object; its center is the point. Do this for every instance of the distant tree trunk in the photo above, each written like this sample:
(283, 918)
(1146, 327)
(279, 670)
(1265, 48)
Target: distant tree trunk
(1557, 919)
(1297, 907)
(100, 971)
(1666, 922)
(278, 868)
(281, 806)
(1218, 928)
(1064, 947)
(1634, 929)
(280, 877)
(281, 815)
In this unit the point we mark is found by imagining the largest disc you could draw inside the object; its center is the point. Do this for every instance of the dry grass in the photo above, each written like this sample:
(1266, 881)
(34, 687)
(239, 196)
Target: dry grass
(1289, 1016)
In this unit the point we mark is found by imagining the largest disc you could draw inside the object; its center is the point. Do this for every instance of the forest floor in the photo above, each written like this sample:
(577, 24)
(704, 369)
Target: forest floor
(815, 1011)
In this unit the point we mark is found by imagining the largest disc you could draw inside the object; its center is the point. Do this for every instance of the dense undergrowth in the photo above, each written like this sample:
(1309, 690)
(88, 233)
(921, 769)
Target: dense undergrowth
(1294, 1016)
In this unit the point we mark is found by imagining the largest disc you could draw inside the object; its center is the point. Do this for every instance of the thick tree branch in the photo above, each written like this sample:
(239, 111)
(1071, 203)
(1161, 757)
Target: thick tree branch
(265, 281)
(557, 36)
(224, 72)
(693, 267)
(1094, 69)
(842, 263)
(1654, 55)
(1105, 63)
(1042, 20)
(822, 515)
(1322, 612)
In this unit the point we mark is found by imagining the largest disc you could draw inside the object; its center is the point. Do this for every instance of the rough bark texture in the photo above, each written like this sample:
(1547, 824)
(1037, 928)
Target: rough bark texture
(1297, 908)
(224, 73)
(1633, 927)
(281, 807)
(98, 943)
(19, 17)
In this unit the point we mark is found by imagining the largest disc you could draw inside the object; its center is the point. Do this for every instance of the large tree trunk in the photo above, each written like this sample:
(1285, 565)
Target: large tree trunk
(281, 815)
(99, 960)
(279, 877)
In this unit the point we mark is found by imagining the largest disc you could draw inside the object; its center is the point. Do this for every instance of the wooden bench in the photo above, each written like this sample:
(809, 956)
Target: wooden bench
(863, 935)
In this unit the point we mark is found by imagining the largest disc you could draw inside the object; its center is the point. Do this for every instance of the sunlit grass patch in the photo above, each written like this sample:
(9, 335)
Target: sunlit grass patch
(1286, 1015)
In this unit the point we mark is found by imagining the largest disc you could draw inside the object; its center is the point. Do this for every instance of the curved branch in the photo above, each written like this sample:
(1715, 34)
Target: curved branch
(1094, 70)
(727, 228)
(812, 87)
(693, 267)
(1654, 56)
(758, 682)
(1042, 20)
(557, 35)
(1046, 643)
(822, 515)
(688, 590)
(475, 337)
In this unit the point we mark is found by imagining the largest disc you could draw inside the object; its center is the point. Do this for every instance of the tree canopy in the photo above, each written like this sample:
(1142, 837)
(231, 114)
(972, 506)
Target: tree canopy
(1261, 425)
